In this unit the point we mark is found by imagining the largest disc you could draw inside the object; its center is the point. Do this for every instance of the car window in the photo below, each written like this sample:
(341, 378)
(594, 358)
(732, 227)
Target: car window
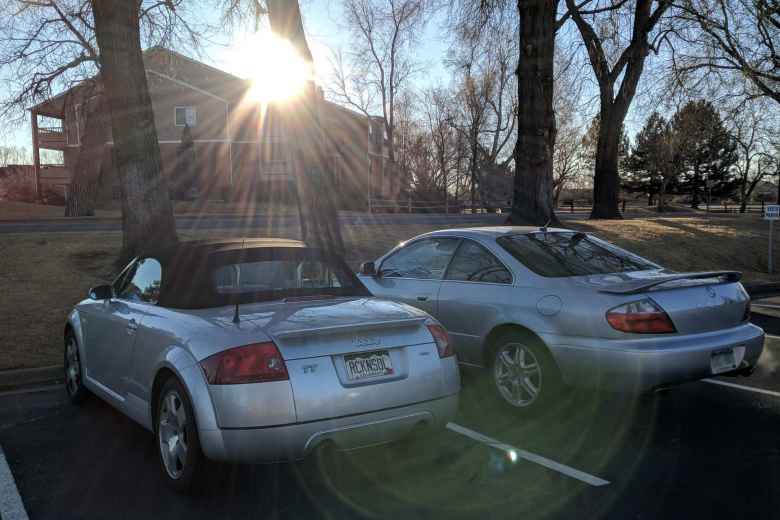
(424, 259)
(474, 263)
(278, 275)
(144, 286)
(124, 277)
(571, 254)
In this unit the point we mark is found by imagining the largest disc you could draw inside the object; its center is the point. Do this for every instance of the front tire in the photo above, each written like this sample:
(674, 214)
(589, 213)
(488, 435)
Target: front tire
(74, 379)
(176, 433)
(523, 375)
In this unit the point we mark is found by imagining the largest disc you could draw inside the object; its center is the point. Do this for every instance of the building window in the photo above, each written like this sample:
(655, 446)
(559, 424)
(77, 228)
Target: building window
(186, 116)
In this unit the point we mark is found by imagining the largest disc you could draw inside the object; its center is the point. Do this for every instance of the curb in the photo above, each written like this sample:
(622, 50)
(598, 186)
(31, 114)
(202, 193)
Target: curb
(10, 379)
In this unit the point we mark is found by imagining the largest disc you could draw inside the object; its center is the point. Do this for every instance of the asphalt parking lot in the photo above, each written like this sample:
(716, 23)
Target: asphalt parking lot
(707, 449)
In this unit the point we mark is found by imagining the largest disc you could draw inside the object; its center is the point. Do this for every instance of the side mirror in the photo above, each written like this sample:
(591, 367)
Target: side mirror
(101, 292)
(368, 269)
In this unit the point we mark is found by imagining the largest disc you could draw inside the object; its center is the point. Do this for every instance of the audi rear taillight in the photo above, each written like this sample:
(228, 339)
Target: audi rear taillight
(255, 363)
(442, 340)
(640, 317)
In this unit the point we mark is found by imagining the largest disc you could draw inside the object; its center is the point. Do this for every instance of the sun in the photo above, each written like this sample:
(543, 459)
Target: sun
(276, 70)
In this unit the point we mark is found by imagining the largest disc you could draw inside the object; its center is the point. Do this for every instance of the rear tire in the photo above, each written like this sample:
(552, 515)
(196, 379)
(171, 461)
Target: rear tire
(523, 376)
(74, 379)
(178, 445)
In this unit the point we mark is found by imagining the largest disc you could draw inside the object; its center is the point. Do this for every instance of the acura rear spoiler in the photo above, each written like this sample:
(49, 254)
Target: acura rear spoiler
(638, 286)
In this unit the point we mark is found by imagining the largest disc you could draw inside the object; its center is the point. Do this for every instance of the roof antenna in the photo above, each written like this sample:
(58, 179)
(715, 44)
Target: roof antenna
(236, 317)
(543, 229)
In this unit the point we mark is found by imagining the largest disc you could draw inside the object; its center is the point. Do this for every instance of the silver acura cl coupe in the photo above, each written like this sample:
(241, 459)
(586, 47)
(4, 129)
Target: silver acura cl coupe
(543, 308)
(257, 351)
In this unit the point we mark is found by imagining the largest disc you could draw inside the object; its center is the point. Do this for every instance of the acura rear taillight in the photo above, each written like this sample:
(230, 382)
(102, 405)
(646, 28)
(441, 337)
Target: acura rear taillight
(442, 340)
(640, 317)
(255, 363)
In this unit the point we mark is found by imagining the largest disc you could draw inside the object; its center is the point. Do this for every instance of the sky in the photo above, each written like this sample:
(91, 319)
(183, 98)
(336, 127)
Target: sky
(325, 32)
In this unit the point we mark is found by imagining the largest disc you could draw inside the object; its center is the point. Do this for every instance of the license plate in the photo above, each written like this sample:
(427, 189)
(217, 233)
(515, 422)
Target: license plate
(723, 361)
(369, 364)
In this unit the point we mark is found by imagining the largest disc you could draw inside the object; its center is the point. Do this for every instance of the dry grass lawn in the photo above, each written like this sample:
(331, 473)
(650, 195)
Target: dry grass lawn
(13, 210)
(43, 274)
(695, 243)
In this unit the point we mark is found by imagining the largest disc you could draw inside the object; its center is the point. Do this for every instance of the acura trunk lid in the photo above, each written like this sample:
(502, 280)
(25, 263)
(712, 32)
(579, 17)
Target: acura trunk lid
(696, 302)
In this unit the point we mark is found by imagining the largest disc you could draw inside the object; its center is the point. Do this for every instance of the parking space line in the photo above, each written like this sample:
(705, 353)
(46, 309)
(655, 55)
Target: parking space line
(11, 507)
(527, 455)
(742, 387)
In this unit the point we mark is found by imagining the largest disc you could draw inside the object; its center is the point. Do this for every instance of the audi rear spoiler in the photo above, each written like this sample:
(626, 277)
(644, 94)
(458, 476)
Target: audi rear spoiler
(638, 286)
(351, 327)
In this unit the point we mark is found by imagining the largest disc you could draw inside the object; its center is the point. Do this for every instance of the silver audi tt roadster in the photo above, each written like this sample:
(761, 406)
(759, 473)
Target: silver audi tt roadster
(539, 307)
(256, 351)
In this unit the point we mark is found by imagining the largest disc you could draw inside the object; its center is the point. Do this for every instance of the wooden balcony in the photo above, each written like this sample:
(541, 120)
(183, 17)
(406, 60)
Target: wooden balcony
(52, 138)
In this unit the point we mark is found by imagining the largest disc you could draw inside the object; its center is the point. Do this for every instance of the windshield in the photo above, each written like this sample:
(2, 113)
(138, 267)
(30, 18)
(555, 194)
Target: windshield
(571, 254)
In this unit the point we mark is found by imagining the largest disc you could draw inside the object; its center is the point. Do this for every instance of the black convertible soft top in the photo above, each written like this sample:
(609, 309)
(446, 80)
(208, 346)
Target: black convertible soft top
(188, 271)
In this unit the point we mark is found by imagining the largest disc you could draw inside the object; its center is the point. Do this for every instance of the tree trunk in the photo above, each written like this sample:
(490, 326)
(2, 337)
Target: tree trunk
(695, 181)
(606, 182)
(88, 173)
(532, 201)
(316, 207)
(147, 213)
(319, 219)
(743, 195)
(662, 196)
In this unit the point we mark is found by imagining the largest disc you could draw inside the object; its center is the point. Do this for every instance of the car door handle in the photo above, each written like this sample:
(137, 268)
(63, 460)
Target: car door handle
(422, 298)
(132, 326)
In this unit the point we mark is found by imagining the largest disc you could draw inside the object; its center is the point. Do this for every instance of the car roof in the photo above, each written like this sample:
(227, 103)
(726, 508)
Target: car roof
(493, 231)
(233, 244)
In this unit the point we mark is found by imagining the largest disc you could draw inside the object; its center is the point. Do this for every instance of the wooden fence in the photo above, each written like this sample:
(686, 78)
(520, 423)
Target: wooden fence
(564, 206)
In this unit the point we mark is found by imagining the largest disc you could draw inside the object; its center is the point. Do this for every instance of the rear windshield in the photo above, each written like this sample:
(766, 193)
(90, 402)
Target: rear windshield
(280, 276)
(571, 254)
(257, 275)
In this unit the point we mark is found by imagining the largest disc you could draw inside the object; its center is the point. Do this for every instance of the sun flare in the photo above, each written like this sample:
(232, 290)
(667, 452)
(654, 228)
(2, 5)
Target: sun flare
(273, 65)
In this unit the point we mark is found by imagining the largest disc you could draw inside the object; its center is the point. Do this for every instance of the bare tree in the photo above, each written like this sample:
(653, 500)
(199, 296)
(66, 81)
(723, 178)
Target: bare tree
(751, 133)
(439, 114)
(146, 207)
(728, 40)
(14, 155)
(48, 46)
(486, 112)
(536, 22)
(381, 57)
(568, 163)
(617, 73)
(472, 102)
